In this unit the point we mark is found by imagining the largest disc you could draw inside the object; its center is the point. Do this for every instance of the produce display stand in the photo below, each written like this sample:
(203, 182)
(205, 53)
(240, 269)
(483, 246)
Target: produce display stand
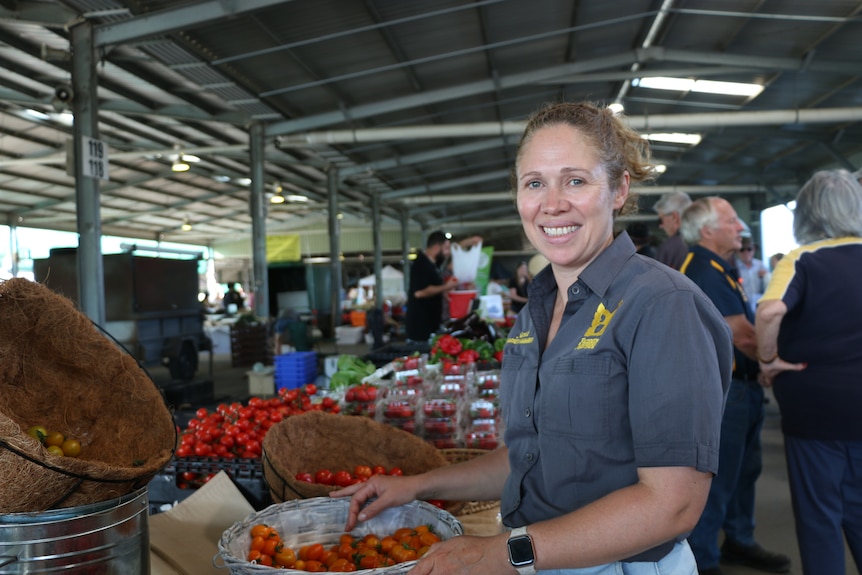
(175, 482)
(386, 354)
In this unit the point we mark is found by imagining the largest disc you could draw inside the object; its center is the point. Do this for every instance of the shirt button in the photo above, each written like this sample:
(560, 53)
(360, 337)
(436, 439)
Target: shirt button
(576, 290)
(527, 412)
(529, 457)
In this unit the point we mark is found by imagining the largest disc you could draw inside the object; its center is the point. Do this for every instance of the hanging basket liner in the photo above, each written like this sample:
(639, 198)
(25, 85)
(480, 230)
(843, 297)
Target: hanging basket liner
(316, 440)
(58, 370)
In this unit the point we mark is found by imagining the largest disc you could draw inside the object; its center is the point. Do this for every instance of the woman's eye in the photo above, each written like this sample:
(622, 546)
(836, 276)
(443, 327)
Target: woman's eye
(534, 185)
(576, 182)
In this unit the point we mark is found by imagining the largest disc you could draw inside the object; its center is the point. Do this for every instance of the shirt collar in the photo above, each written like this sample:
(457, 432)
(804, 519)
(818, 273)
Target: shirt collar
(709, 254)
(599, 274)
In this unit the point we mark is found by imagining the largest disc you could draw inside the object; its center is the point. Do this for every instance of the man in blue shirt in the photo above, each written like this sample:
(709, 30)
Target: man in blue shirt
(713, 229)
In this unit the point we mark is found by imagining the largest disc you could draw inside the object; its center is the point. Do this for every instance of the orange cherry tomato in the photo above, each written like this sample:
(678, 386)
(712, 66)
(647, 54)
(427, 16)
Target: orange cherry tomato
(315, 552)
(272, 546)
(286, 557)
(257, 543)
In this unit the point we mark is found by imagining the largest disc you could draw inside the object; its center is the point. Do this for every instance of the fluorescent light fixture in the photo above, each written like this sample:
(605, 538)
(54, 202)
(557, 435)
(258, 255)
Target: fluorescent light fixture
(243, 181)
(35, 114)
(277, 197)
(296, 198)
(660, 168)
(702, 86)
(674, 138)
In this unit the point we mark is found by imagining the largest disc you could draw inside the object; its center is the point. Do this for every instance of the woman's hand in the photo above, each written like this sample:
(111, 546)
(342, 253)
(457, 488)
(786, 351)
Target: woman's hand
(389, 492)
(465, 555)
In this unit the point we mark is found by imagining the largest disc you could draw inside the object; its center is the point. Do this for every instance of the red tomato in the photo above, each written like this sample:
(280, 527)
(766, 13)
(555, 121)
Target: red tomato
(309, 389)
(396, 471)
(378, 470)
(362, 471)
(305, 476)
(324, 477)
(342, 478)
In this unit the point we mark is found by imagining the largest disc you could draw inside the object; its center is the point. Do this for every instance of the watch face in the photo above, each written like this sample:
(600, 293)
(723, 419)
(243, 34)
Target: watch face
(521, 551)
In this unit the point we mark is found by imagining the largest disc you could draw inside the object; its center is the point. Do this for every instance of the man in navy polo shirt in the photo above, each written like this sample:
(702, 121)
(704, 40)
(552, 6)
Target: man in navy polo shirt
(713, 229)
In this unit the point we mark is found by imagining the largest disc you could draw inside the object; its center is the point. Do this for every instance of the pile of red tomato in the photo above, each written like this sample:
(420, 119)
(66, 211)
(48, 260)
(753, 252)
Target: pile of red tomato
(349, 554)
(343, 478)
(237, 430)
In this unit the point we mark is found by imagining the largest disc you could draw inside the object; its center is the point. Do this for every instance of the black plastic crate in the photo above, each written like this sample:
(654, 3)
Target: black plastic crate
(382, 356)
(172, 485)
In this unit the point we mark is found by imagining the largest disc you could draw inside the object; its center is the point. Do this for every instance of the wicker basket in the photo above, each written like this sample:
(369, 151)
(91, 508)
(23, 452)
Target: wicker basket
(316, 440)
(321, 520)
(461, 508)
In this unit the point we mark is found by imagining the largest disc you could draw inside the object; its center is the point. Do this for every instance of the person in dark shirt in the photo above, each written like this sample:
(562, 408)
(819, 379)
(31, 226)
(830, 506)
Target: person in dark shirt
(712, 228)
(611, 434)
(518, 287)
(810, 351)
(427, 286)
(639, 233)
(669, 207)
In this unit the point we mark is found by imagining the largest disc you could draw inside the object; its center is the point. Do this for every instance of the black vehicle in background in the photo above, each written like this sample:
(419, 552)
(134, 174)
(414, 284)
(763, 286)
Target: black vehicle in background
(151, 305)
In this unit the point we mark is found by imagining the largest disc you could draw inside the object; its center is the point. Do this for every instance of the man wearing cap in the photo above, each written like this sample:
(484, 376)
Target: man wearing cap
(752, 272)
(669, 208)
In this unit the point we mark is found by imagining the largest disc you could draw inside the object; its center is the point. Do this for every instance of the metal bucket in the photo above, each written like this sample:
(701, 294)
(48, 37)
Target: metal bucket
(106, 538)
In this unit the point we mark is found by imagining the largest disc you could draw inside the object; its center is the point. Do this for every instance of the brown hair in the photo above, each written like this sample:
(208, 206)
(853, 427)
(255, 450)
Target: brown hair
(619, 147)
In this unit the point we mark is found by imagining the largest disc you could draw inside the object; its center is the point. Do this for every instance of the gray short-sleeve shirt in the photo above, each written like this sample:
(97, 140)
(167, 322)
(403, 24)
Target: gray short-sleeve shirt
(635, 377)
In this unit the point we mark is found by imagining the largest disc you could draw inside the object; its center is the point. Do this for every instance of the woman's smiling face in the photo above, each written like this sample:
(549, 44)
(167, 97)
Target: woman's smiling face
(564, 199)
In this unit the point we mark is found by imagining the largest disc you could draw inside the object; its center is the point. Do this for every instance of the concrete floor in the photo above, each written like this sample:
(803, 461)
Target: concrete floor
(775, 520)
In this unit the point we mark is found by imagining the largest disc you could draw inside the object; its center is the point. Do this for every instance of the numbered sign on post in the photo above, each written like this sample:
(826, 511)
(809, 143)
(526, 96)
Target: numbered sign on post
(94, 158)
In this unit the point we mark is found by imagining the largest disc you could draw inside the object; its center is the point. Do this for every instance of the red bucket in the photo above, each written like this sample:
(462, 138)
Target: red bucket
(459, 302)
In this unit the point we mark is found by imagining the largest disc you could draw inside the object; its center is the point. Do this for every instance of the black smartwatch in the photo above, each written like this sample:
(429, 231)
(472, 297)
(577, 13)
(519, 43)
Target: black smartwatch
(521, 554)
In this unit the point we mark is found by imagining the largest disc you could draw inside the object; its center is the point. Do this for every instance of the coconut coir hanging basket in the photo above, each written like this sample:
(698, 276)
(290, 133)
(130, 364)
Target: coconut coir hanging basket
(59, 371)
(316, 440)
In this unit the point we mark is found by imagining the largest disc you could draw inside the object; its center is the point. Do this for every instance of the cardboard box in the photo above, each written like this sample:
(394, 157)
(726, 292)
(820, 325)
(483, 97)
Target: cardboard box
(261, 382)
(184, 539)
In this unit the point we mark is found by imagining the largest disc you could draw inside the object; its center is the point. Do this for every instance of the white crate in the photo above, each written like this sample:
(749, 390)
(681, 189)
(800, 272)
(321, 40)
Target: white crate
(348, 334)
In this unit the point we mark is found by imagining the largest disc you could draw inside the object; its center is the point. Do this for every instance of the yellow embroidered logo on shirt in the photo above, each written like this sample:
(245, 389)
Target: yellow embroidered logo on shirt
(601, 319)
(522, 338)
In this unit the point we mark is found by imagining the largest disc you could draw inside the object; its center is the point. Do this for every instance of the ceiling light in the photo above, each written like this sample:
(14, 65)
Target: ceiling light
(187, 225)
(616, 108)
(296, 198)
(702, 86)
(659, 168)
(180, 166)
(278, 197)
(674, 138)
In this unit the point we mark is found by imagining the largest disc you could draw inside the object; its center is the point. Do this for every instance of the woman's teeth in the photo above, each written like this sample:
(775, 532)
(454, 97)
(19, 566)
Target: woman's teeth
(560, 231)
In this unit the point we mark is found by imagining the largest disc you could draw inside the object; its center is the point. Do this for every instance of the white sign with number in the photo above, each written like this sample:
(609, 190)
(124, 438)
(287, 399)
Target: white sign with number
(94, 158)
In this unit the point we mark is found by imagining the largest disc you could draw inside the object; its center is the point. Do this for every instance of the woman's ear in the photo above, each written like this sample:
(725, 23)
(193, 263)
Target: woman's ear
(622, 191)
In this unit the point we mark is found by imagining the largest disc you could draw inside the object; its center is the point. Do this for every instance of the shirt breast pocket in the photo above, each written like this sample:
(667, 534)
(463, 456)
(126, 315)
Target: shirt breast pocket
(576, 398)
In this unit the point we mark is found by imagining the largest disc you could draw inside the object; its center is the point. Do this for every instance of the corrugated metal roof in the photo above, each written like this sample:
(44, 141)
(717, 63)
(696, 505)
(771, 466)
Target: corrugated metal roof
(192, 77)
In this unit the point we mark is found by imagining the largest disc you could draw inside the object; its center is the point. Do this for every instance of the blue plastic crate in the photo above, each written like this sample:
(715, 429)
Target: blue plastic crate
(295, 369)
